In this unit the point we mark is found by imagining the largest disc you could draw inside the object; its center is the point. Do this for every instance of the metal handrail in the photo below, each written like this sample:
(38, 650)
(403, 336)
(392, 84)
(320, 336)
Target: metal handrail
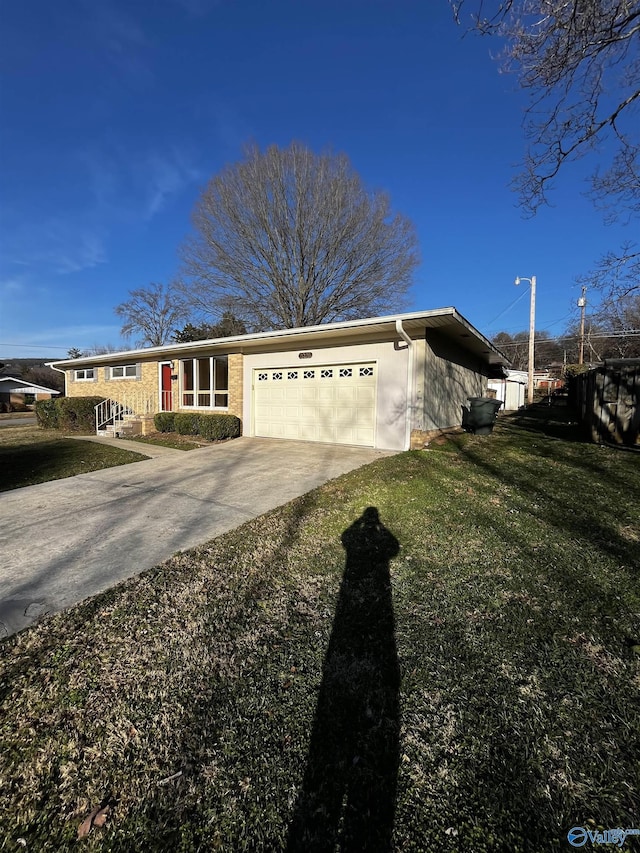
(108, 412)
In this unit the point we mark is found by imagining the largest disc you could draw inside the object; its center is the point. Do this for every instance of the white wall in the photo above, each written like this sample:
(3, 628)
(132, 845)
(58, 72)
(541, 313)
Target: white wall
(449, 375)
(511, 390)
(391, 400)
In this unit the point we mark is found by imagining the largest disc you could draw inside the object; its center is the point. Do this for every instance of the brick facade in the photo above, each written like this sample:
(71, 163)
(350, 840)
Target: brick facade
(236, 383)
(420, 438)
(146, 385)
(142, 393)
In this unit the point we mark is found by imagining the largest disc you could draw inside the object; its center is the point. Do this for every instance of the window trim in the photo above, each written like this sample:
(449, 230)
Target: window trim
(195, 391)
(111, 378)
(91, 378)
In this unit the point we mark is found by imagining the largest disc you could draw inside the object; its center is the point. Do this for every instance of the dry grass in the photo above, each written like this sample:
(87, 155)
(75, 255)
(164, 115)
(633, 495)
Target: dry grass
(30, 455)
(505, 627)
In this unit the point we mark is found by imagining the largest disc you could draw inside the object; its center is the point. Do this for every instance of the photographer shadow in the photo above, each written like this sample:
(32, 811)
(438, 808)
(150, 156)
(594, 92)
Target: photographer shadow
(347, 798)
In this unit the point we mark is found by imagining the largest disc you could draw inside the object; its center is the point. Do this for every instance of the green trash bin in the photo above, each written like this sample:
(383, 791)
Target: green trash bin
(483, 412)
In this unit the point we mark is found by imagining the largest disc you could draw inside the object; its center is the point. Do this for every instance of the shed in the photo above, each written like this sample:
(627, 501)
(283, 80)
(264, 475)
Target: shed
(607, 398)
(511, 389)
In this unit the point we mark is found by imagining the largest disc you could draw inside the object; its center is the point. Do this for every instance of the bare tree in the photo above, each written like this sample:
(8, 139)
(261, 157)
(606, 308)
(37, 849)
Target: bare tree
(616, 277)
(579, 60)
(100, 349)
(516, 348)
(620, 320)
(46, 376)
(288, 238)
(152, 313)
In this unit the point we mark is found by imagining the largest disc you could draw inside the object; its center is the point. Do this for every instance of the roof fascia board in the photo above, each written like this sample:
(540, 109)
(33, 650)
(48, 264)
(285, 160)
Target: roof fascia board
(21, 383)
(302, 335)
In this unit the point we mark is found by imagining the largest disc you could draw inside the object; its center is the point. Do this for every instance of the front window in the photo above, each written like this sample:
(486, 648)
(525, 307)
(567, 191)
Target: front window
(84, 375)
(205, 383)
(123, 371)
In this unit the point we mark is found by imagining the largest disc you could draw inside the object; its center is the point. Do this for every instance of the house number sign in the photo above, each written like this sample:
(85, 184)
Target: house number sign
(305, 354)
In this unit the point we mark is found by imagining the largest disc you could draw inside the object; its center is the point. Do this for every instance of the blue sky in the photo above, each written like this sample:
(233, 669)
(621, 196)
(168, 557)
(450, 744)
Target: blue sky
(113, 115)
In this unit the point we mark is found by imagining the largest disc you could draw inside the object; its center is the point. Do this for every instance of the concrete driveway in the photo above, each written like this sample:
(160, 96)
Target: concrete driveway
(69, 539)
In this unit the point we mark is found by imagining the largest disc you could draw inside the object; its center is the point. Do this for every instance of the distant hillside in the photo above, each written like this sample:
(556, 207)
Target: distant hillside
(18, 366)
(33, 370)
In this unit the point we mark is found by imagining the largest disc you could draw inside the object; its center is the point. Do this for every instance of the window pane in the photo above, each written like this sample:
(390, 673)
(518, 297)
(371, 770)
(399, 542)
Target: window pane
(222, 374)
(130, 370)
(187, 378)
(221, 400)
(204, 400)
(187, 399)
(116, 372)
(204, 374)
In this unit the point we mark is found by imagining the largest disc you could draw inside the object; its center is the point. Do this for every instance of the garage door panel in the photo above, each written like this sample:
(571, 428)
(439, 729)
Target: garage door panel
(365, 394)
(276, 394)
(333, 404)
(326, 393)
(308, 432)
(346, 415)
(346, 394)
(327, 432)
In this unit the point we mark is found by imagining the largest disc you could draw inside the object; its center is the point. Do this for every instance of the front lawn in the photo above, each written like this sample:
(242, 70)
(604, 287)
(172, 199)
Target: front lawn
(437, 652)
(171, 439)
(30, 455)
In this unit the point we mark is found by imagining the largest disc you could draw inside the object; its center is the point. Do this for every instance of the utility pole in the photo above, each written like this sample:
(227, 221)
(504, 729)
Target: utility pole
(532, 333)
(582, 303)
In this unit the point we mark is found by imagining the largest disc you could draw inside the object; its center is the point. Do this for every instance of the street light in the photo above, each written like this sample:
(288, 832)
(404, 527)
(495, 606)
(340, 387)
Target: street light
(532, 332)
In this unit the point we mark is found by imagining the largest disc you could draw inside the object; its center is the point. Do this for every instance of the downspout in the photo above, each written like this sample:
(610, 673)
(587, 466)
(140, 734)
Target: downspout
(64, 372)
(410, 382)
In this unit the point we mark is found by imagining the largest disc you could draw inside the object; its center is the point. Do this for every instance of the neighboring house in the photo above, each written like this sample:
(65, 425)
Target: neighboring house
(384, 382)
(13, 391)
(546, 382)
(511, 389)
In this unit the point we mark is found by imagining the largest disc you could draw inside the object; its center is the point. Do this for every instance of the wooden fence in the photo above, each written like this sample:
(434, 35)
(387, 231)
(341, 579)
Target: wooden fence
(607, 399)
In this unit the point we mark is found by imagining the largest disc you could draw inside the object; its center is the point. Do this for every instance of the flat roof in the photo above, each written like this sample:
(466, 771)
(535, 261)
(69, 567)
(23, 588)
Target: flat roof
(449, 320)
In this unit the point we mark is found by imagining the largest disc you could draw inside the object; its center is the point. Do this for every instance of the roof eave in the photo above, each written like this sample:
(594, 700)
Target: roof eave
(242, 342)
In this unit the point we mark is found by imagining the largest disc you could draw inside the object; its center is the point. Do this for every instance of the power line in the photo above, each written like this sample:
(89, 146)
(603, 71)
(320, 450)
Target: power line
(508, 308)
(632, 333)
(34, 346)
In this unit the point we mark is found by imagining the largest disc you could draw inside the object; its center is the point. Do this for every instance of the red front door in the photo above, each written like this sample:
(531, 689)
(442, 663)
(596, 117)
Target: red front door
(167, 398)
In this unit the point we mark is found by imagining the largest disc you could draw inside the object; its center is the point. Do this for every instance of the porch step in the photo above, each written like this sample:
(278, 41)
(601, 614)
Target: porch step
(121, 428)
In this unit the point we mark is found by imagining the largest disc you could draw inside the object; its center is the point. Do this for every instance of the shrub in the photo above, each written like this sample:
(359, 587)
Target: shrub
(186, 423)
(216, 427)
(164, 421)
(77, 413)
(47, 414)
(68, 413)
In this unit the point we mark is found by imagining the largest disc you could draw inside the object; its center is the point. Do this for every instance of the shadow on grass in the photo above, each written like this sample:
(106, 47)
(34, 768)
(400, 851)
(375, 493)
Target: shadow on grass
(32, 464)
(348, 793)
(553, 417)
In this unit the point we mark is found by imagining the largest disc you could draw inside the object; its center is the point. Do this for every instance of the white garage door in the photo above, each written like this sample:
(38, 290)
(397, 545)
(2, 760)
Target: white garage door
(334, 403)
